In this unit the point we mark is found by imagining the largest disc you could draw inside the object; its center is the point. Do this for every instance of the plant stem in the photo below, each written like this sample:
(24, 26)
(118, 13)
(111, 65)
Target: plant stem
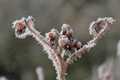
(61, 75)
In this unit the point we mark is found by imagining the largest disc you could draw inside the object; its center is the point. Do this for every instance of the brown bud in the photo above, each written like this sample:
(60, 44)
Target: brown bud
(69, 32)
(20, 27)
(51, 35)
(63, 41)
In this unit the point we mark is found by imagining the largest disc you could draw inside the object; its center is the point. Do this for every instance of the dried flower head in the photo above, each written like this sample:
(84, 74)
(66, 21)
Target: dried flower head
(66, 30)
(20, 27)
(63, 41)
(51, 35)
(97, 26)
(57, 33)
(69, 32)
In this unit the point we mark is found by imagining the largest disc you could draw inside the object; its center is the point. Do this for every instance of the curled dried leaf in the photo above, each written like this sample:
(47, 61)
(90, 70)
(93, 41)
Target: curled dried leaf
(97, 26)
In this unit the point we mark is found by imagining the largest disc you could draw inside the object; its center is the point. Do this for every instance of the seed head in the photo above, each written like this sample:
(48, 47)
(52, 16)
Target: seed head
(21, 28)
(63, 41)
(66, 30)
(69, 32)
(19, 24)
(51, 35)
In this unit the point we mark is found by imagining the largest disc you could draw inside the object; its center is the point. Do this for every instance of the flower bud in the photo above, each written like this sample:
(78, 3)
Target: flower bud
(20, 27)
(51, 35)
(66, 30)
(69, 32)
(63, 41)
(57, 33)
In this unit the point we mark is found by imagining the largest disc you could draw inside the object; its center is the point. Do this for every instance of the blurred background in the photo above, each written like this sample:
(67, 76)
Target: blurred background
(20, 57)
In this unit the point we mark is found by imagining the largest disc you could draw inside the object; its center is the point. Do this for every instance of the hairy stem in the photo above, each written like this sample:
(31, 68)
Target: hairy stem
(56, 56)
(62, 70)
(57, 60)
(61, 75)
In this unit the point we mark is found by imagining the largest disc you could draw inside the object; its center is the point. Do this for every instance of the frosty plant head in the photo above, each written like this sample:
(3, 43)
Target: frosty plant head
(97, 26)
(66, 30)
(52, 36)
(63, 41)
(57, 44)
(22, 26)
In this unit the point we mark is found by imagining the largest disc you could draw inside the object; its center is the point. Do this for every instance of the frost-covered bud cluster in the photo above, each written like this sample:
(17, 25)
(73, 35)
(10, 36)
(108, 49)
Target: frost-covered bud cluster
(97, 26)
(25, 27)
(22, 26)
(67, 40)
(52, 36)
